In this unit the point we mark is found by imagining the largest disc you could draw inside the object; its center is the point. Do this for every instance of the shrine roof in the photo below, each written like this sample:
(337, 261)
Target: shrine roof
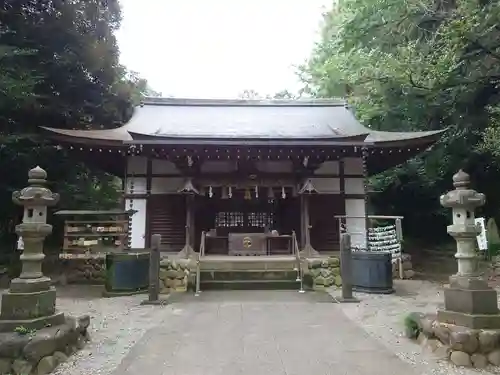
(210, 120)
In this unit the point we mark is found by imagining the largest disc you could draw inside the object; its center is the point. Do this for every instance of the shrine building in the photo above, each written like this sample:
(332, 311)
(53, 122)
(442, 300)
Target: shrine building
(242, 176)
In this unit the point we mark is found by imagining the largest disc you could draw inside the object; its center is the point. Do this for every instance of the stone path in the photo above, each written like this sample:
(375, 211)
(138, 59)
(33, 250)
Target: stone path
(273, 332)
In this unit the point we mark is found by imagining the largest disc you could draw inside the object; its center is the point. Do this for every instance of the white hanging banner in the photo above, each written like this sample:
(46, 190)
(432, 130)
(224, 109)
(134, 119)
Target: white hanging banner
(482, 241)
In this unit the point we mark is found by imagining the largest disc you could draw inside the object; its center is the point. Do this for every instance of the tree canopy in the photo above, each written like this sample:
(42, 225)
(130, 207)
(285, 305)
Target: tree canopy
(59, 67)
(418, 65)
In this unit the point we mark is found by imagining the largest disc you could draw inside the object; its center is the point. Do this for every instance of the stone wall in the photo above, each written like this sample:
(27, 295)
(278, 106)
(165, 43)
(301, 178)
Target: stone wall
(82, 271)
(462, 346)
(176, 275)
(25, 352)
(322, 273)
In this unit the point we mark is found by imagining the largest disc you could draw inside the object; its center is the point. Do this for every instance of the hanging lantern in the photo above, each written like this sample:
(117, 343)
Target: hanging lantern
(230, 192)
(248, 196)
(283, 194)
(210, 192)
(256, 192)
(270, 193)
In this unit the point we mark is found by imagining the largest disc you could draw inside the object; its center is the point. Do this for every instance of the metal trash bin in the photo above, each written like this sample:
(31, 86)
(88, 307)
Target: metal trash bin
(372, 272)
(127, 273)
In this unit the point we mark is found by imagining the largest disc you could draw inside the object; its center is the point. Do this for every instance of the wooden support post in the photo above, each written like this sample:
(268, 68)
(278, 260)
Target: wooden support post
(308, 251)
(346, 269)
(399, 236)
(154, 273)
(188, 251)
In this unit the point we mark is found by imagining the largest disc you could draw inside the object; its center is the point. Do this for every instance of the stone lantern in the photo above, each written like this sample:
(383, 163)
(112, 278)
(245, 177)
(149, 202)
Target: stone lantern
(469, 301)
(30, 300)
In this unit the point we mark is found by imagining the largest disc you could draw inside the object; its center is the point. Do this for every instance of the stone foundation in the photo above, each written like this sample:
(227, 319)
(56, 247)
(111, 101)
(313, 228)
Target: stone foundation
(176, 275)
(322, 273)
(39, 352)
(82, 271)
(408, 272)
(462, 346)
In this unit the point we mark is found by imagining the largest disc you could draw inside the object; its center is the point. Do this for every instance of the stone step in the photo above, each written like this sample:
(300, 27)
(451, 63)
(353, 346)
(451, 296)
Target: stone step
(263, 265)
(248, 275)
(251, 285)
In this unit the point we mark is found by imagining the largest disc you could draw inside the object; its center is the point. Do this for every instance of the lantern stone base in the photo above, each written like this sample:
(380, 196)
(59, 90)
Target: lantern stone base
(32, 310)
(470, 302)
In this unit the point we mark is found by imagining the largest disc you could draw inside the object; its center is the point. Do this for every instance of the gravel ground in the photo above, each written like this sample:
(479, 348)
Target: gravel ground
(116, 325)
(382, 317)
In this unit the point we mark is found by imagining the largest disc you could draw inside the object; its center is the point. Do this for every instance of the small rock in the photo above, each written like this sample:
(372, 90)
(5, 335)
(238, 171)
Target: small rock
(338, 280)
(21, 367)
(488, 340)
(60, 357)
(333, 262)
(494, 357)
(46, 365)
(460, 358)
(432, 344)
(83, 323)
(408, 274)
(426, 324)
(442, 332)
(479, 360)
(421, 339)
(442, 352)
(80, 343)
(5, 366)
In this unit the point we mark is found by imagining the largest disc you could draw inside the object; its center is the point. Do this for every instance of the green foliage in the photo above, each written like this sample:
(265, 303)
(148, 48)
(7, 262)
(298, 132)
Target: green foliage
(59, 67)
(410, 66)
(22, 330)
(411, 326)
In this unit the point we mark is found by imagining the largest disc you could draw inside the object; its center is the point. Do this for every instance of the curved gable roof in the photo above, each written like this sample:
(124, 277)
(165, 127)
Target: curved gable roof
(264, 120)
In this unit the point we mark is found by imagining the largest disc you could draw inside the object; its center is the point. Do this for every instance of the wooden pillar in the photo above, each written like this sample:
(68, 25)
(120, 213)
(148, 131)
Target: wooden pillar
(341, 220)
(149, 183)
(188, 251)
(364, 155)
(307, 251)
(302, 222)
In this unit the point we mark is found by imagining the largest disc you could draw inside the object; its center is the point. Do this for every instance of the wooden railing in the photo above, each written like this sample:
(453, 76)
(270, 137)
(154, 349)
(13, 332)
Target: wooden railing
(298, 266)
(201, 254)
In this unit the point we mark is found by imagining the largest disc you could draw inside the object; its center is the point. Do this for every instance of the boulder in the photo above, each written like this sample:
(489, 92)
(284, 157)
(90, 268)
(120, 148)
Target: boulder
(5, 366)
(12, 344)
(41, 345)
(460, 358)
(488, 340)
(60, 357)
(46, 365)
(494, 357)
(464, 340)
(21, 367)
(479, 360)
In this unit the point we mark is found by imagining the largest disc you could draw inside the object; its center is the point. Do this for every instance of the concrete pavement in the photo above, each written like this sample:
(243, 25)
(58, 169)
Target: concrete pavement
(258, 333)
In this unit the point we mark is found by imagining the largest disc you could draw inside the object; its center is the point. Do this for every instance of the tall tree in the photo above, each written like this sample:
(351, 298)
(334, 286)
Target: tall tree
(59, 67)
(417, 65)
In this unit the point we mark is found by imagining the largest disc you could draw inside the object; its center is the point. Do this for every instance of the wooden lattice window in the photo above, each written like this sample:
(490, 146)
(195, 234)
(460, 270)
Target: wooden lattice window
(229, 219)
(260, 219)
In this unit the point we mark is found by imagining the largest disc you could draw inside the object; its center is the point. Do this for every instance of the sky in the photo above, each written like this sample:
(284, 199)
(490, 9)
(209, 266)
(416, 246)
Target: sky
(219, 48)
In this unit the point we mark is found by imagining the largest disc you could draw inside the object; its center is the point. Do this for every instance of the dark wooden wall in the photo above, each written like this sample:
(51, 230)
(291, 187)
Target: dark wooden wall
(167, 216)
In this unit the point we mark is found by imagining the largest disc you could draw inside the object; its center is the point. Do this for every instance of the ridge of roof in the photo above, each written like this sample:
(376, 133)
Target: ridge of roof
(186, 102)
